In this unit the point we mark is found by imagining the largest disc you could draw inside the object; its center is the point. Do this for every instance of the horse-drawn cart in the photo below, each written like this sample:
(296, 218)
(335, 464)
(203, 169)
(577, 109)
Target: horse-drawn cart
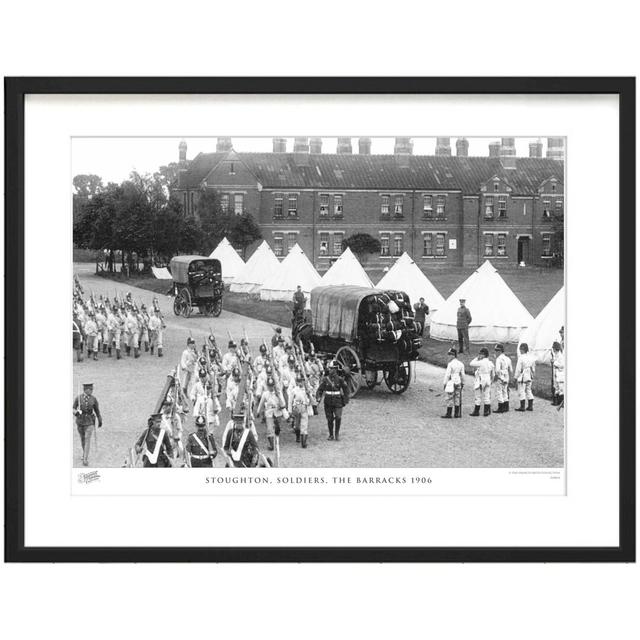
(197, 282)
(368, 331)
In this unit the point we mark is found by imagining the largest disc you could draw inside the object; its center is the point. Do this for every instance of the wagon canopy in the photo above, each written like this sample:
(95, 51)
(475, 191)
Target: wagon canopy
(181, 266)
(334, 310)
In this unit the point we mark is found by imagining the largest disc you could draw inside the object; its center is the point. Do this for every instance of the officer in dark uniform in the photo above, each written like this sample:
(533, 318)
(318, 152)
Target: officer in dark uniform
(86, 409)
(336, 396)
(155, 444)
(201, 446)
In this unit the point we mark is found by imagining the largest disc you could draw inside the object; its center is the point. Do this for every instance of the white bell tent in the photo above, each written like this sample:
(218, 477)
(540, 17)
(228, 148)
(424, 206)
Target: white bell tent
(545, 329)
(260, 266)
(294, 270)
(346, 270)
(497, 313)
(232, 263)
(405, 275)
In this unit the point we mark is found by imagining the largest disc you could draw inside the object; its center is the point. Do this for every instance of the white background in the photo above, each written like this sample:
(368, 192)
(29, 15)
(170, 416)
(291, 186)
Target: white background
(392, 601)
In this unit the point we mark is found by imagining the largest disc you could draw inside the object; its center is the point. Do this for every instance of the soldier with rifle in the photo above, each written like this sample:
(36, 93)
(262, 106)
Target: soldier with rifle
(201, 447)
(154, 445)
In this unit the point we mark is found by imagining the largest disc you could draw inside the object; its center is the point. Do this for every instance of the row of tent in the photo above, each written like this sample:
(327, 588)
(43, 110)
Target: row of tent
(498, 315)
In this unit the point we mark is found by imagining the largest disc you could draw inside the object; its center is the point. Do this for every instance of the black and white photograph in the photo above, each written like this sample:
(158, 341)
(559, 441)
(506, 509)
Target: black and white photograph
(319, 302)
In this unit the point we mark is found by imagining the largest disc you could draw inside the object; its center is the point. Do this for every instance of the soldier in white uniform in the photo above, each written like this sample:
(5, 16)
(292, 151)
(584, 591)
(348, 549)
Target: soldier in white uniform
(133, 332)
(557, 362)
(299, 408)
(504, 370)
(271, 404)
(231, 391)
(91, 331)
(453, 384)
(525, 370)
(188, 365)
(156, 327)
(112, 325)
(103, 333)
(482, 383)
(230, 359)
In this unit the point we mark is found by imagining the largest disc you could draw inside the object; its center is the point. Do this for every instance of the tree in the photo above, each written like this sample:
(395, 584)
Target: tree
(87, 185)
(362, 244)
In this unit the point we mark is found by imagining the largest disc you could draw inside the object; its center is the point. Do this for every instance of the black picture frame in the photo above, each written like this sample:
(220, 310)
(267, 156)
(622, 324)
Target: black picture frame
(15, 91)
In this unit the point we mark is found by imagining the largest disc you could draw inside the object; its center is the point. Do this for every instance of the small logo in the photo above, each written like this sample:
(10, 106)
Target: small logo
(90, 476)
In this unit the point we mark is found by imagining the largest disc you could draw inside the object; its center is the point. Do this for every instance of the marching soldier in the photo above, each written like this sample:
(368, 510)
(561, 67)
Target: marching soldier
(525, 370)
(230, 359)
(91, 331)
(261, 360)
(120, 332)
(188, 365)
(201, 447)
(299, 407)
(155, 444)
(86, 409)
(482, 383)
(156, 328)
(231, 391)
(279, 350)
(103, 333)
(557, 362)
(504, 370)
(271, 404)
(112, 325)
(143, 322)
(78, 338)
(336, 397)
(133, 332)
(453, 384)
(241, 446)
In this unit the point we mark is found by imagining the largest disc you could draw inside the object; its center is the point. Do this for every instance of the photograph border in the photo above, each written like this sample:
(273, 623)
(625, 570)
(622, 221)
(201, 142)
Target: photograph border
(15, 91)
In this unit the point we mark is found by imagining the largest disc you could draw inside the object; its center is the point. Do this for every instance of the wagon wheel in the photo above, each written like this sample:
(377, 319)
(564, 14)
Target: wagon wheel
(350, 364)
(186, 302)
(371, 378)
(177, 305)
(215, 308)
(398, 378)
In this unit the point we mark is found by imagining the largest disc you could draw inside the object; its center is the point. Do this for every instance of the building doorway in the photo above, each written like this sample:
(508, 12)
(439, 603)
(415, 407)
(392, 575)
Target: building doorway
(524, 249)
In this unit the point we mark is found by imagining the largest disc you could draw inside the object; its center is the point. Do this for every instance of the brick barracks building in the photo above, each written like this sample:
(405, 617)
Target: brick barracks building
(443, 209)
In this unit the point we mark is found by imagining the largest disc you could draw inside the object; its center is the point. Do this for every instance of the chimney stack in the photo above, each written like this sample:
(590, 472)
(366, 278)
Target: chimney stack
(443, 146)
(182, 152)
(555, 148)
(508, 147)
(301, 151)
(364, 146)
(462, 147)
(223, 145)
(279, 145)
(494, 149)
(344, 146)
(403, 146)
(535, 149)
(315, 145)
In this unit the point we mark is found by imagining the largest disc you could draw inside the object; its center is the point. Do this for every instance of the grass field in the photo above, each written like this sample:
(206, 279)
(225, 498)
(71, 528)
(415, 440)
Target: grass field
(533, 286)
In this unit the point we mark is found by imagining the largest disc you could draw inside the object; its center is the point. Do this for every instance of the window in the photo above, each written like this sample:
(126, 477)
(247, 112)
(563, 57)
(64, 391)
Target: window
(553, 187)
(224, 202)
(488, 207)
(546, 208)
(232, 169)
(292, 238)
(277, 205)
(488, 244)
(397, 207)
(324, 244)
(501, 249)
(546, 244)
(324, 205)
(427, 206)
(337, 243)
(495, 186)
(384, 205)
(440, 244)
(440, 207)
(278, 245)
(292, 211)
(191, 207)
(558, 205)
(238, 206)
(427, 244)
(337, 206)
(384, 244)
(502, 207)
(398, 241)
